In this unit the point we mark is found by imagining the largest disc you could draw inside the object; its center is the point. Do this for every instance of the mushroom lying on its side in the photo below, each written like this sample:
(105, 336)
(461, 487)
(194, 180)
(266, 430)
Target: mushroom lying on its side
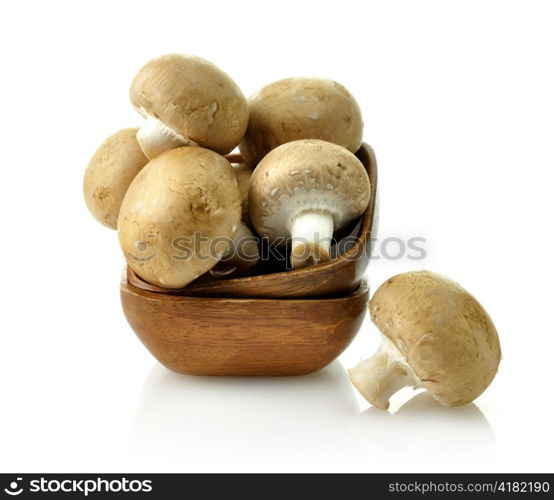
(187, 101)
(435, 335)
(307, 189)
(179, 216)
(300, 108)
(110, 172)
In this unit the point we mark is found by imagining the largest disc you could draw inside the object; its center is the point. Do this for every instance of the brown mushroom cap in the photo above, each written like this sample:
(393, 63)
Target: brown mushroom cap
(243, 173)
(110, 172)
(244, 252)
(179, 216)
(194, 98)
(306, 175)
(442, 332)
(301, 108)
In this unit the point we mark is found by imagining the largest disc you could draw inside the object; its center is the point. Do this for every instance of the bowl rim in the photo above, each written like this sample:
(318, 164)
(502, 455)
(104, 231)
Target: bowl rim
(127, 287)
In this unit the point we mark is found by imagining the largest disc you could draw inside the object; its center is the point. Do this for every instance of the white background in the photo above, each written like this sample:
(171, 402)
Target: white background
(458, 102)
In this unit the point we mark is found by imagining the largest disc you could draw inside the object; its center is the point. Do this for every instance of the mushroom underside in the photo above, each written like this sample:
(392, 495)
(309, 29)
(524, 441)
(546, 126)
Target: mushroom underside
(382, 375)
(155, 137)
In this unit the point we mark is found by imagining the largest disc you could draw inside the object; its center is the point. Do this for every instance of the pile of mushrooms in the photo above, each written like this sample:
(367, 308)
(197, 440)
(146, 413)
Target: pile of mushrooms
(184, 211)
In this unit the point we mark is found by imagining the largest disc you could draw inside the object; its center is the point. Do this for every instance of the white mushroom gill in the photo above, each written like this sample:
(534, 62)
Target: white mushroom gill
(154, 137)
(309, 216)
(385, 373)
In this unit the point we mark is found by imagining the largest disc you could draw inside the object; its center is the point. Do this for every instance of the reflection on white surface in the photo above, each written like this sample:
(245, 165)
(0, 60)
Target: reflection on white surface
(250, 420)
(308, 423)
(425, 432)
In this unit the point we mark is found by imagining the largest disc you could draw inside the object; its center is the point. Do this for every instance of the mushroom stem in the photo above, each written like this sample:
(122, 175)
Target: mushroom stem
(311, 238)
(154, 137)
(220, 271)
(243, 251)
(379, 377)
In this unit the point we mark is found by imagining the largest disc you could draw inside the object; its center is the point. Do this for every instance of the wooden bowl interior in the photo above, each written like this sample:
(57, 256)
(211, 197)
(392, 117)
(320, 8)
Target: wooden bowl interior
(337, 276)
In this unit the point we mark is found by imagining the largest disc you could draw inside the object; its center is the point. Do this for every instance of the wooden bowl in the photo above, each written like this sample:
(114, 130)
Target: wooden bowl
(339, 276)
(239, 336)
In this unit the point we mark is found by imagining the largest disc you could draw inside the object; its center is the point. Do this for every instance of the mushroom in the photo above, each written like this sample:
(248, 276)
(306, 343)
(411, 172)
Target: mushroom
(243, 173)
(307, 189)
(187, 100)
(435, 336)
(301, 108)
(243, 252)
(179, 216)
(110, 171)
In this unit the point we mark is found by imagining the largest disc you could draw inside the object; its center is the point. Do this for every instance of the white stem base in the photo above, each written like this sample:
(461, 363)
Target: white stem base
(154, 137)
(382, 375)
(244, 251)
(221, 270)
(311, 238)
